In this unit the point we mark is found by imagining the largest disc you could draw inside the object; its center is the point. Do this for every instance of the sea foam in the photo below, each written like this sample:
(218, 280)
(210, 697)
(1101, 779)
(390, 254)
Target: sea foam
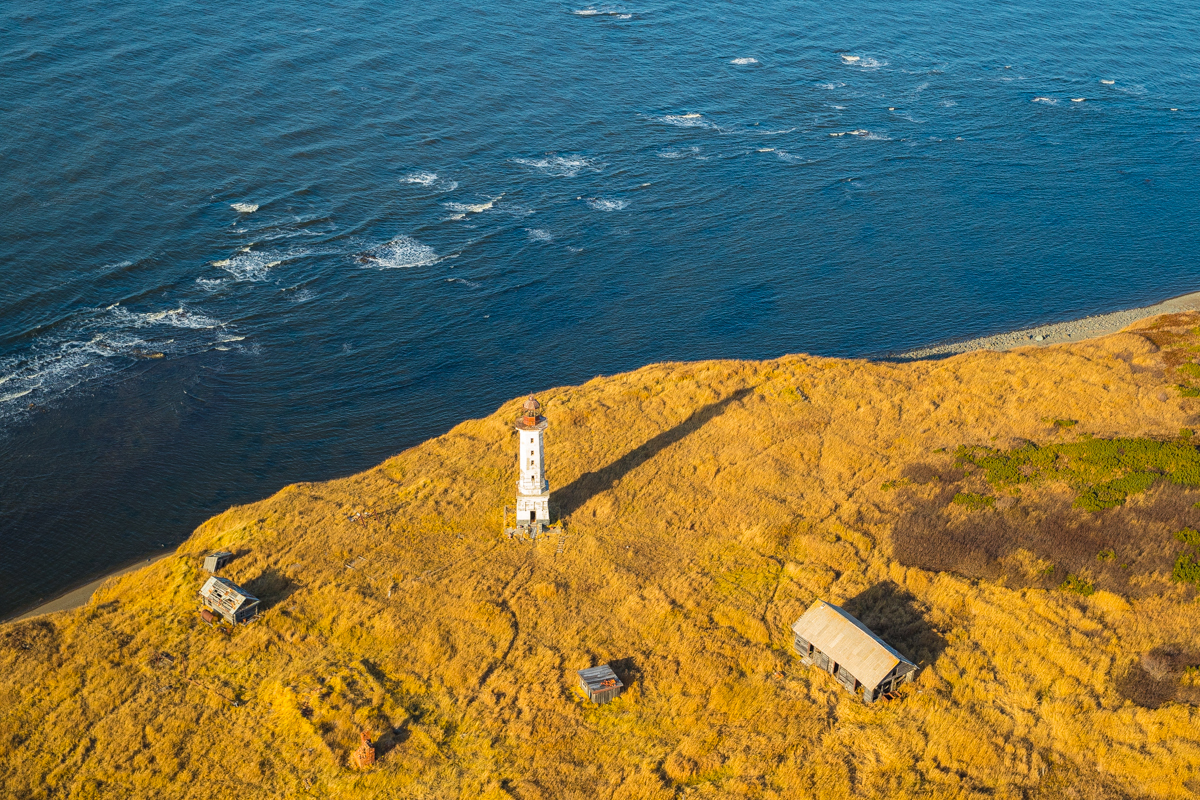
(561, 166)
(745, 61)
(244, 208)
(403, 252)
(607, 204)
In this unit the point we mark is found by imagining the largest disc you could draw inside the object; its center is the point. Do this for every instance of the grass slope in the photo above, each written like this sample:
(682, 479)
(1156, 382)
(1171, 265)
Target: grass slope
(706, 506)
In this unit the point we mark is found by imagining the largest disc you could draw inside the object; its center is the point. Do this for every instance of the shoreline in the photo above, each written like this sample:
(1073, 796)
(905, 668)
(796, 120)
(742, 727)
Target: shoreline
(1076, 330)
(80, 595)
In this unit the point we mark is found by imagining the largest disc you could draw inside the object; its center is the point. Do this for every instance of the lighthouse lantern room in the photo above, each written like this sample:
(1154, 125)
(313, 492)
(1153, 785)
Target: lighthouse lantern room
(533, 490)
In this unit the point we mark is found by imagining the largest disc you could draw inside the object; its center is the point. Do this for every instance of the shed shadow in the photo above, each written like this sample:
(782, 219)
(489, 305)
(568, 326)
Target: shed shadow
(570, 498)
(896, 617)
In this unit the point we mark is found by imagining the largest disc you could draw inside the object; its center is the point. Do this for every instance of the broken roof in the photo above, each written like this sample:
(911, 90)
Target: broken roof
(848, 642)
(226, 595)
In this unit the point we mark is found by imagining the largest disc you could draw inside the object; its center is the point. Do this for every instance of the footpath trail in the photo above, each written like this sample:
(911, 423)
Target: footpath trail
(1057, 333)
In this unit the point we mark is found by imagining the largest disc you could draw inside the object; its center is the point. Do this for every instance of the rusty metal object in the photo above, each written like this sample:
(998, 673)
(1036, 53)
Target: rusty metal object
(364, 756)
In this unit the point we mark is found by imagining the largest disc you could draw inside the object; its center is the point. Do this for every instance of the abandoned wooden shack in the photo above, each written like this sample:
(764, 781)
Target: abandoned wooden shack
(600, 684)
(214, 561)
(830, 639)
(229, 600)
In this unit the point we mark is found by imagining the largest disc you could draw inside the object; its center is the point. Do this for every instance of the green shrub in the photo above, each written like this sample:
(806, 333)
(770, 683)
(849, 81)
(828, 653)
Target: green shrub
(974, 502)
(1189, 391)
(1103, 472)
(1185, 433)
(1189, 536)
(1186, 570)
(1107, 554)
(1191, 370)
(1078, 585)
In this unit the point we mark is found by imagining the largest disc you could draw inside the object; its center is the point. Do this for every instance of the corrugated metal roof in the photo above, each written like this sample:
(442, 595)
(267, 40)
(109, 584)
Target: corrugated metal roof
(848, 642)
(595, 677)
(226, 595)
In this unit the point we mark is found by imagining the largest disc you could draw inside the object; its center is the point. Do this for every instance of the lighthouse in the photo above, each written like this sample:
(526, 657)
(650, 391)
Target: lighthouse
(533, 490)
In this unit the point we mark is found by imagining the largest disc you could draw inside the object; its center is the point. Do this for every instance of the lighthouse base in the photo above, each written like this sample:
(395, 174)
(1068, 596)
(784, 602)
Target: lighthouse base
(533, 509)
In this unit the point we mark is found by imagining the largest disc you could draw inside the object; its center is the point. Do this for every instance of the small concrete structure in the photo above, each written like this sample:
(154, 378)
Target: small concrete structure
(830, 639)
(533, 490)
(229, 600)
(214, 561)
(600, 684)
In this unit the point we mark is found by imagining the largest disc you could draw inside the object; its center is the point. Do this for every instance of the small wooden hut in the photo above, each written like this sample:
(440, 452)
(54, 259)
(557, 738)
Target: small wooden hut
(214, 561)
(600, 684)
(830, 639)
(229, 600)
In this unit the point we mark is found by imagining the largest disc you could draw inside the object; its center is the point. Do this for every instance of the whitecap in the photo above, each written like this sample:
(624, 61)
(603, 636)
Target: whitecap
(690, 120)
(607, 204)
(851, 59)
(403, 252)
(464, 282)
(539, 235)
(244, 208)
(253, 265)
(209, 284)
(681, 153)
(744, 61)
(1047, 100)
(1078, 99)
(831, 85)
(462, 209)
(422, 178)
(1107, 82)
(862, 63)
(603, 11)
(561, 166)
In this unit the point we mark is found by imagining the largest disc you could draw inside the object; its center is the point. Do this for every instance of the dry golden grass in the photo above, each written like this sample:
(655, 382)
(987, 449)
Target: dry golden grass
(707, 505)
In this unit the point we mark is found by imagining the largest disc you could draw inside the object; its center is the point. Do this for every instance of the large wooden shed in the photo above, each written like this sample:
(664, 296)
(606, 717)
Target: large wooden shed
(600, 684)
(830, 639)
(229, 600)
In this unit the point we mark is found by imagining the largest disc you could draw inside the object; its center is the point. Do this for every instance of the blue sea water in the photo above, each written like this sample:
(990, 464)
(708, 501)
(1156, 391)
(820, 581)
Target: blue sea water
(250, 244)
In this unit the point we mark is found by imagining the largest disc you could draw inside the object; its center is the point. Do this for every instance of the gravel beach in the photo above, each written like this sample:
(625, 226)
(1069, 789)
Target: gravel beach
(1070, 331)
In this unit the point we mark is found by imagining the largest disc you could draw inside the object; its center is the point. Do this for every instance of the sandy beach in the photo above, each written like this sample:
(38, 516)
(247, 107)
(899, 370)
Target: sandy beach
(1070, 331)
(79, 596)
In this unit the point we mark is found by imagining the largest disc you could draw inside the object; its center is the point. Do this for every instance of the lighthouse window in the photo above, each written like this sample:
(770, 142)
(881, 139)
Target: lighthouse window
(531, 462)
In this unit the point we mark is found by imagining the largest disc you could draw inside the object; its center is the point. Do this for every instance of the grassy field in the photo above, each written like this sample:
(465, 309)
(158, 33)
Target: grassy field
(1020, 524)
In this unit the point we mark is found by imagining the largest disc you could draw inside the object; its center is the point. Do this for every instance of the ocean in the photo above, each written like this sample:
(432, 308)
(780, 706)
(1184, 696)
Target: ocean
(249, 245)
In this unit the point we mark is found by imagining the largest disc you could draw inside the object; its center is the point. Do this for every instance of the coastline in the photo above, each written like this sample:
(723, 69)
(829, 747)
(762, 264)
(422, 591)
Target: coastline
(1075, 330)
(79, 596)
(1041, 336)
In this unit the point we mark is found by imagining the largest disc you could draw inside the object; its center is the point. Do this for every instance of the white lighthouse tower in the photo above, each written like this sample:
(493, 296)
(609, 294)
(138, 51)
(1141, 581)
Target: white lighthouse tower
(533, 490)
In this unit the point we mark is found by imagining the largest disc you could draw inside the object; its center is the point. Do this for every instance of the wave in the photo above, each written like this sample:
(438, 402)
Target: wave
(744, 61)
(861, 62)
(1107, 82)
(430, 179)
(783, 155)
(561, 166)
(403, 252)
(539, 235)
(244, 208)
(681, 153)
(99, 342)
(1050, 101)
(1078, 99)
(250, 265)
(607, 204)
(690, 120)
(462, 209)
(603, 11)
(831, 85)
(464, 282)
